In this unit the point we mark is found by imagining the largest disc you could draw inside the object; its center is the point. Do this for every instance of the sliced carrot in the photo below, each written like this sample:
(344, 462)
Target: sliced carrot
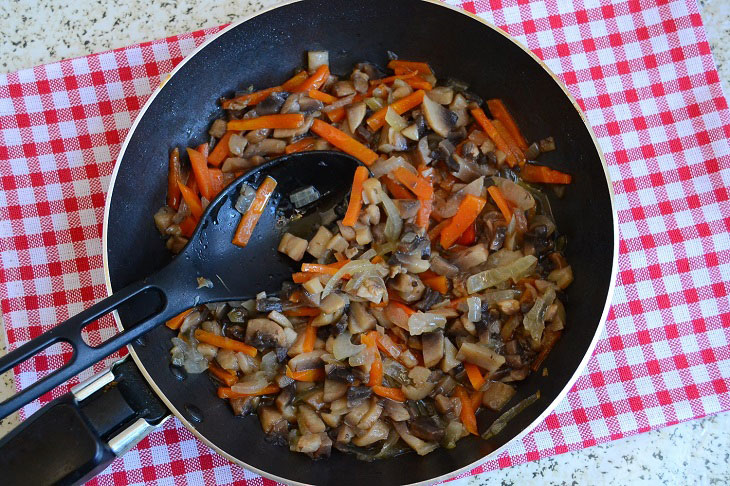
(204, 149)
(289, 120)
(511, 143)
(391, 79)
(323, 97)
(501, 202)
(173, 176)
(300, 145)
(420, 67)
(435, 232)
(295, 296)
(193, 185)
(440, 284)
(370, 339)
(251, 99)
(199, 164)
(491, 131)
(225, 376)
(301, 277)
(418, 83)
(218, 181)
(467, 416)
(544, 175)
(177, 321)
(221, 151)
(255, 210)
(295, 81)
(476, 399)
(344, 142)
(224, 392)
(376, 259)
(191, 199)
(303, 312)
(500, 112)
(355, 204)
(336, 115)
(306, 375)
(319, 268)
(377, 120)
(469, 236)
(315, 81)
(187, 226)
(310, 337)
(417, 185)
(395, 394)
(467, 213)
(396, 190)
(224, 342)
(475, 375)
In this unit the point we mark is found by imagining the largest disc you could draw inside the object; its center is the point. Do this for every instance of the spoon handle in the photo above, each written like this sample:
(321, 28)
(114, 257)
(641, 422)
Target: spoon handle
(83, 355)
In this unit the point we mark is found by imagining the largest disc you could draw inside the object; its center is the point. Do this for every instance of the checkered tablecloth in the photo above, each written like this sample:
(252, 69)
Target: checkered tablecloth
(641, 70)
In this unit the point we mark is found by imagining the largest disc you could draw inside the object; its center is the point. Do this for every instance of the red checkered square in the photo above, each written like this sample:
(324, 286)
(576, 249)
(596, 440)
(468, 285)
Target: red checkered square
(642, 72)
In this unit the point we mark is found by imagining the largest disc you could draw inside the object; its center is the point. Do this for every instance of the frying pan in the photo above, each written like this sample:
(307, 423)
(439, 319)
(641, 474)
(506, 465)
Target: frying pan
(111, 412)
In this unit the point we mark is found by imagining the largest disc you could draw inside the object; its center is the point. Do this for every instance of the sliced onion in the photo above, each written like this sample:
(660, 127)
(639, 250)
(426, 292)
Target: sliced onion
(491, 298)
(251, 383)
(187, 356)
(517, 195)
(542, 220)
(394, 224)
(475, 308)
(269, 365)
(317, 58)
(304, 196)
(375, 104)
(503, 419)
(489, 278)
(502, 257)
(248, 193)
(385, 166)
(343, 347)
(204, 282)
(534, 320)
(452, 204)
(363, 358)
(368, 254)
(421, 322)
(395, 120)
(349, 268)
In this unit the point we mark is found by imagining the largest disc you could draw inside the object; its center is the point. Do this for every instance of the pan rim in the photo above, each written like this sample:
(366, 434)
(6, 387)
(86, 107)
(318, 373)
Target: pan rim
(549, 408)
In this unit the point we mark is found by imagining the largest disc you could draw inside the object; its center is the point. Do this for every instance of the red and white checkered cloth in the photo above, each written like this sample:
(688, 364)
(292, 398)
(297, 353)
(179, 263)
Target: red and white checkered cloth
(643, 73)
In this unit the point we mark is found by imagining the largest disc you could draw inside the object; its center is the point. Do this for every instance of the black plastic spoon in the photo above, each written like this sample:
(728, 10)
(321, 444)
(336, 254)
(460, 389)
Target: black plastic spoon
(236, 273)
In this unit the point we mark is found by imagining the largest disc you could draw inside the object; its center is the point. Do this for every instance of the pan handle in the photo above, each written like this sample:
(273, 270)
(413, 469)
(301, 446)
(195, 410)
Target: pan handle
(77, 435)
(83, 355)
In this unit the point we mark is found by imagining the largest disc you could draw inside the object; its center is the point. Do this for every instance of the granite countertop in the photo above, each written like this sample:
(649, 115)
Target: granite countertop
(690, 453)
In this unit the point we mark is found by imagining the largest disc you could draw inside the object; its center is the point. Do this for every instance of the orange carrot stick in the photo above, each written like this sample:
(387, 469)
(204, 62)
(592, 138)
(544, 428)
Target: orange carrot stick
(418, 83)
(419, 67)
(173, 176)
(191, 199)
(301, 277)
(251, 99)
(501, 202)
(306, 375)
(467, 213)
(319, 268)
(300, 145)
(475, 376)
(255, 210)
(544, 175)
(310, 337)
(177, 321)
(227, 392)
(499, 112)
(511, 143)
(315, 81)
(439, 284)
(467, 416)
(187, 226)
(336, 115)
(224, 342)
(476, 399)
(289, 120)
(435, 232)
(377, 120)
(396, 190)
(303, 312)
(376, 368)
(391, 79)
(355, 204)
(395, 394)
(417, 185)
(199, 165)
(295, 81)
(225, 376)
(323, 97)
(468, 237)
(221, 151)
(491, 131)
(344, 142)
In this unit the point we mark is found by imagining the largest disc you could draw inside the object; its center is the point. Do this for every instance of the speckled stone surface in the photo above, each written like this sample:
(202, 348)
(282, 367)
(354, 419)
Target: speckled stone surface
(693, 453)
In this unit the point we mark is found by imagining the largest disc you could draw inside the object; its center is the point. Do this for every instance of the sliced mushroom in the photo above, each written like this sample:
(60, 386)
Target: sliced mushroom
(263, 333)
(449, 361)
(433, 348)
(269, 146)
(373, 413)
(307, 361)
(270, 418)
(439, 118)
(378, 431)
(318, 244)
(395, 410)
(409, 287)
(441, 266)
(481, 356)
(360, 319)
(272, 104)
(307, 417)
(422, 448)
(426, 428)
(163, 218)
(294, 132)
(408, 208)
(471, 257)
(334, 389)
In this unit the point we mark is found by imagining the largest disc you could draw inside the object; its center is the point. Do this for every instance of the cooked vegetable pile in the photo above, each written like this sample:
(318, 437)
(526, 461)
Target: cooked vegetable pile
(424, 300)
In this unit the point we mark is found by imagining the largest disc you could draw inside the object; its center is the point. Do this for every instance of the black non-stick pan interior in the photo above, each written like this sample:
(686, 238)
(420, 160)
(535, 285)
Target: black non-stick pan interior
(262, 52)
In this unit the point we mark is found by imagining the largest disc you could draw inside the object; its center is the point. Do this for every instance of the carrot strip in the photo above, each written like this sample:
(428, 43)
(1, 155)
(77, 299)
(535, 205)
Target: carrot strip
(439, 284)
(295, 81)
(467, 416)
(511, 143)
(391, 79)
(289, 120)
(418, 83)
(303, 312)
(301, 277)
(204, 149)
(300, 145)
(221, 151)
(344, 142)
(395, 394)
(376, 368)
(249, 220)
(467, 213)
(501, 202)
(396, 190)
(200, 170)
(187, 226)
(323, 97)
(310, 337)
(306, 375)
(417, 185)
(544, 175)
(177, 321)
(435, 232)
(491, 131)
(224, 342)
(225, 376)
(191, 199)
(173, 176)
(377, 120)
(476, 399)
(336, 115)
(250, 99)
(499, 112)
(218, 181)
(419, 67)
(355, 204)
(469, 236)
(224, 392)
(315, 81)
(319, 268)
(475, 376)
(402, 306)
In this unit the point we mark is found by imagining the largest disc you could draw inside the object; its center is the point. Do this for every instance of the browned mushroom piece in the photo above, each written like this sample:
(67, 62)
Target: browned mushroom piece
(264, 333)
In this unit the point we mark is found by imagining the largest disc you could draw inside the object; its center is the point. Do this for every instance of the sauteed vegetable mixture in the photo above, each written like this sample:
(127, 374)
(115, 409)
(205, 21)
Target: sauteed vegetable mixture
(424, 300)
